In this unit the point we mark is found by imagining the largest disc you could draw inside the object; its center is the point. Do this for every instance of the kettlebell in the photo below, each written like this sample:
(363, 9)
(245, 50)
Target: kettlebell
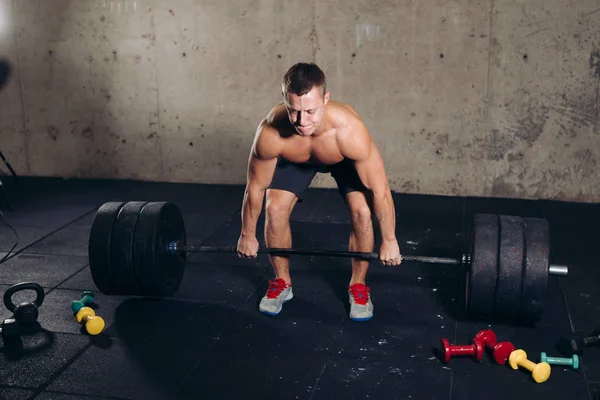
(24, 313)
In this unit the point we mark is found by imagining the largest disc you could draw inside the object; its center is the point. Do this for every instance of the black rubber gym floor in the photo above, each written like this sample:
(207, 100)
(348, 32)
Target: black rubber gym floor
(210, 342)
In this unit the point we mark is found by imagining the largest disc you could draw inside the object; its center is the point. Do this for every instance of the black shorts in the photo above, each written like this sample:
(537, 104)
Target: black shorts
(296, 178)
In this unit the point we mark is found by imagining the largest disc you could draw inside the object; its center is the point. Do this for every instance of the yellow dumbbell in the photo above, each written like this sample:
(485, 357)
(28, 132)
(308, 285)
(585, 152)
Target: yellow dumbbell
(87, 317)
(540, 372)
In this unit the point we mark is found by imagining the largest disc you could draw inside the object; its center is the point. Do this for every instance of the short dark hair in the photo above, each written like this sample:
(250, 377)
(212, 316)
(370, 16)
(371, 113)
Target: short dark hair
(302, 77)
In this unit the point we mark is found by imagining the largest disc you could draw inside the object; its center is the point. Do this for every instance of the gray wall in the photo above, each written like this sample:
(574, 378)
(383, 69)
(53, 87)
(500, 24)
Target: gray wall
(467, 97)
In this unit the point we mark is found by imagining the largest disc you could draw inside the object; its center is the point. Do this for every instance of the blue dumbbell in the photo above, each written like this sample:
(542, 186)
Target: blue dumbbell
(88, 298)
(572, 362)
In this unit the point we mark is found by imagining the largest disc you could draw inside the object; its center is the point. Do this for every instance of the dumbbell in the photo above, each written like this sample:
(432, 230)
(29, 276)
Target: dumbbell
(572, 362)
(10, 329)
(500, 350)
(88, 298)
(540, 372)
(87, 317)
(576, 345)
(475, 350)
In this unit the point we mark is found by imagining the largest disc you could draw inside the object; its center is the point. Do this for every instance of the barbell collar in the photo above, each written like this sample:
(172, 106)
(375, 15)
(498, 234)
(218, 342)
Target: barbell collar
(556, 269)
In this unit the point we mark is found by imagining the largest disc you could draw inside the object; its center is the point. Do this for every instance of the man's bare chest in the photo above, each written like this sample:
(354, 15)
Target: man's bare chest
(312, 150)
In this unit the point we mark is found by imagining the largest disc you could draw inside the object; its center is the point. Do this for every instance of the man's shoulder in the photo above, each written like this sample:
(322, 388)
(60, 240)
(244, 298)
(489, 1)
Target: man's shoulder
(352, 135)
(275, 122)
(343, 107)
(268, 143)
(343, 115)
(346, 121)
(276, 116)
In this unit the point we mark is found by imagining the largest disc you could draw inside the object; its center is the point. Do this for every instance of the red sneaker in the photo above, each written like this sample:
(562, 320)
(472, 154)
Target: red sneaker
(361, 307)
(278, 293)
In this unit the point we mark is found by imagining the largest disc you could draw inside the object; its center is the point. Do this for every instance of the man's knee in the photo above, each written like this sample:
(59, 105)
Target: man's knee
(279, 205)
(277, 212)
(360, 208)
(361, 214)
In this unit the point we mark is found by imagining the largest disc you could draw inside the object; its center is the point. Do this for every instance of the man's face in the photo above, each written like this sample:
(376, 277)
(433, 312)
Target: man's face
(306, 112)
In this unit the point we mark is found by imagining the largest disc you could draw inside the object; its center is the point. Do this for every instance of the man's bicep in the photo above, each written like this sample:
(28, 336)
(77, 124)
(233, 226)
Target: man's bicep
(371, 170)
(263, 157)
(359, 146)
(260, 171)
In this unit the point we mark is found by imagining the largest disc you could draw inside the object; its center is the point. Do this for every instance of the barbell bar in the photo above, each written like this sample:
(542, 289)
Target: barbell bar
(139, 248)
(176, 247)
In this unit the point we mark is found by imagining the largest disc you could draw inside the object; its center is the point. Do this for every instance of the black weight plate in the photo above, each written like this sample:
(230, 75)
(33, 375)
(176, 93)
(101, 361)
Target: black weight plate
(99, 245)
(537, 263)
(481, 274)
(121, 258)
(159, 272)
(510, 266)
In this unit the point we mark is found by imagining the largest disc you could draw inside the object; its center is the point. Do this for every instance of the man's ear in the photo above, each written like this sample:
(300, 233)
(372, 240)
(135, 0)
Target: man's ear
(326, 98)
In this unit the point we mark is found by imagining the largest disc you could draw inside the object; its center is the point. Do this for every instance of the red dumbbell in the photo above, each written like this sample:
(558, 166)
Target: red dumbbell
(475, 350)
(500, 350)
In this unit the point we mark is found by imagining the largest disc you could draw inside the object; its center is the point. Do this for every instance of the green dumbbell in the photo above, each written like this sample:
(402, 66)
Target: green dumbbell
(88, 298)
(571, 362)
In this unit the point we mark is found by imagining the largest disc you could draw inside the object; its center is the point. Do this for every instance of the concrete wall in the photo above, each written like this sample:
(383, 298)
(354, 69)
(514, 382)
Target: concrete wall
(464, 97)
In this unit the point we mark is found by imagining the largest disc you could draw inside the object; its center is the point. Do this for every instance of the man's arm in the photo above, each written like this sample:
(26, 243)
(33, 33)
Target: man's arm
(357, 145)
(261, 167)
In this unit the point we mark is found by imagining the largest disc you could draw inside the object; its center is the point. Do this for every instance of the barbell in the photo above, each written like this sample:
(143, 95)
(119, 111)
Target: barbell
(139, 248)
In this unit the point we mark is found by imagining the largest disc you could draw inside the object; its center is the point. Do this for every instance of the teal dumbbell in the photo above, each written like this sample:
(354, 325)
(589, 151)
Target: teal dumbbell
(572, 362)
(88, 298)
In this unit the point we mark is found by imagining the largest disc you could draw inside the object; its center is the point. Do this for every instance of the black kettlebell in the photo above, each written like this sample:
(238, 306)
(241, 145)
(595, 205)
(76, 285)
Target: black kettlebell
(24, 313)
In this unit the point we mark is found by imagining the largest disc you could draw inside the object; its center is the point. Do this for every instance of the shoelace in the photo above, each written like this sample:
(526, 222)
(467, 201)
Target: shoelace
(360, 293)
(276, 286)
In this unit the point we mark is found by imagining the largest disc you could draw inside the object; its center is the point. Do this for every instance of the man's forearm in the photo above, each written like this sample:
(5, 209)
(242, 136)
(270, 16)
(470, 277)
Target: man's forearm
(251, 208)
(385, 212)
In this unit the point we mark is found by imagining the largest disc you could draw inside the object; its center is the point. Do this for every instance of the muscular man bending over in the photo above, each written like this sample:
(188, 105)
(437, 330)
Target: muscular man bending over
(306, 134)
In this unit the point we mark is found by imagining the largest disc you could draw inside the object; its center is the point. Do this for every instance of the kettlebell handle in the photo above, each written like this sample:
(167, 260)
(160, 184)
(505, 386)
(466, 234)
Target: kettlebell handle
(19, 287)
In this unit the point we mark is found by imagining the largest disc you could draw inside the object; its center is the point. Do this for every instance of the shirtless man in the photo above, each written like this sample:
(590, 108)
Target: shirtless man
(306, 134)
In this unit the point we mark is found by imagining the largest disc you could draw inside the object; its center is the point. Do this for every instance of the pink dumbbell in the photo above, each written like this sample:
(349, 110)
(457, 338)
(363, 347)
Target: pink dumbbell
(501, 351)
